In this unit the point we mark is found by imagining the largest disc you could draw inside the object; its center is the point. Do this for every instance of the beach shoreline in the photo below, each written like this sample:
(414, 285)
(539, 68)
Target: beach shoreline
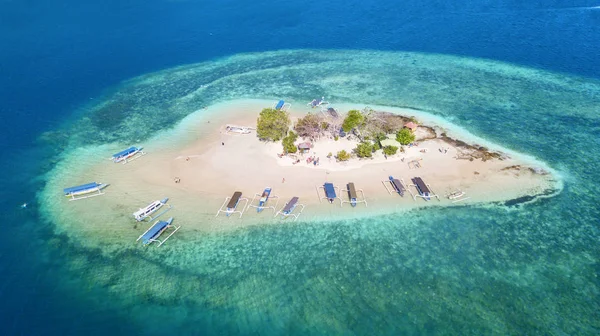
(210, 165)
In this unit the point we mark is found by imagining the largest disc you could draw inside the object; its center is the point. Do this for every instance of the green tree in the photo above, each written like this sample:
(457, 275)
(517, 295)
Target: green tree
(364, 150)
(353, 119)
(379, 137)
(390, 150)
(405, 136)
(272, 125)
(343, 155)
(288, 143)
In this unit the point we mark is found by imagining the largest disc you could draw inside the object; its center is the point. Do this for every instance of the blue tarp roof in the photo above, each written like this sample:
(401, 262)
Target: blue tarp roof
(80, 188)
(329, 190)
(154, 231)
(125, 152)
(279, 105)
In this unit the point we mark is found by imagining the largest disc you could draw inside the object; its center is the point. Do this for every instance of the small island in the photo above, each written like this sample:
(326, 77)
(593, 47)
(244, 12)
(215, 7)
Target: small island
(249, 146)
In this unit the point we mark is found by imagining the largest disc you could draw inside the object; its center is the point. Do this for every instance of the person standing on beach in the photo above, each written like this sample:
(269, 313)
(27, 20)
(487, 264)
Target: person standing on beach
(283, 180)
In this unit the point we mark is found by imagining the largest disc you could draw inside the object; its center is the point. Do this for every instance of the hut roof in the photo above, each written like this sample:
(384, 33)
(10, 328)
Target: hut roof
(305, 145)
(411, 125)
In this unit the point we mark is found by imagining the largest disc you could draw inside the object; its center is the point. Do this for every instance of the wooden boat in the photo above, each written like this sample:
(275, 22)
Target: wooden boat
(84, 191)
(263, 199)
(151, 235)
(397, 185)
(147, 211)
(128, 154)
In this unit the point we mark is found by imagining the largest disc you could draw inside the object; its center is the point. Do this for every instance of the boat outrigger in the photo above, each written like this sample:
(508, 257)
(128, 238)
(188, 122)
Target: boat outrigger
(397, 186)
(84, 191)
(262, 201)
(232, 203)
(353, 195)
(128, 155)
(151, 235)
(289, 208)
(146, 212)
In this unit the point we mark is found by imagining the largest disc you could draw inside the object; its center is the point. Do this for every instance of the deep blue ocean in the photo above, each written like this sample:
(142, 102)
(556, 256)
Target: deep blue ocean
(56, 57)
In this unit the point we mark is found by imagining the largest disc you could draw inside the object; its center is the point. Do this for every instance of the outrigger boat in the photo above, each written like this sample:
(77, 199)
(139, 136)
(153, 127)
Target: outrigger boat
(151, 235)
(353, 198)
(232, 204)
(146, 212)
(458, 196)
(330, 194)
(352, 194)
(237, 129)
(128, 154)
(422, 188)
(282, 105)
(397, 185)
(289, 208)
(317, 102)
(84, 191)
(263, 199)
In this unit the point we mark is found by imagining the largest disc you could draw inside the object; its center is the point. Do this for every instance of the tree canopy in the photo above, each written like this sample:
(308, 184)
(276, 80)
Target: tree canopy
(288, 143)
(364, 150)
(272, 124)
(343, 155)
(390, 150)
(353, 119)
(310, 126)
(405, 136)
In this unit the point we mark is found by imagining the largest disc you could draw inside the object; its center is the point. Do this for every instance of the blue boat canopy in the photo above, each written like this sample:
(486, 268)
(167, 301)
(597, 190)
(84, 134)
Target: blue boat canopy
(279, 105)
(154, 231)
(82, 187)
(126, 152)
(329, 190)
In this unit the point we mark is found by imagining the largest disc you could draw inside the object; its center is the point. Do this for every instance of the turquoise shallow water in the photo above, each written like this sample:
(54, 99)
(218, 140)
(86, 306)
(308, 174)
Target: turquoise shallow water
(471, 270)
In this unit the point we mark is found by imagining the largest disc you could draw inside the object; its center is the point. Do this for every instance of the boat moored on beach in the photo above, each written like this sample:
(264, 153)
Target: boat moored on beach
(151, 235)
(84, 191)
(128, 154)
(263, 199)
(151, 208)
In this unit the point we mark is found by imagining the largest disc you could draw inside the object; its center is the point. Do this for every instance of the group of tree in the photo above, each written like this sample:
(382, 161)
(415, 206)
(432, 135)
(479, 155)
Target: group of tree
(272, 124)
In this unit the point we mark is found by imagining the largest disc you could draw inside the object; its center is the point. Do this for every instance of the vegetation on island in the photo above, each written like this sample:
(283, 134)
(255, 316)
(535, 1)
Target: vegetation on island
(369, 126)
(390, 150)
(288, 143)
(343, 155)
(272, 124)
(405, 136)
(352, 120)
(364, 150)
(311, 126)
